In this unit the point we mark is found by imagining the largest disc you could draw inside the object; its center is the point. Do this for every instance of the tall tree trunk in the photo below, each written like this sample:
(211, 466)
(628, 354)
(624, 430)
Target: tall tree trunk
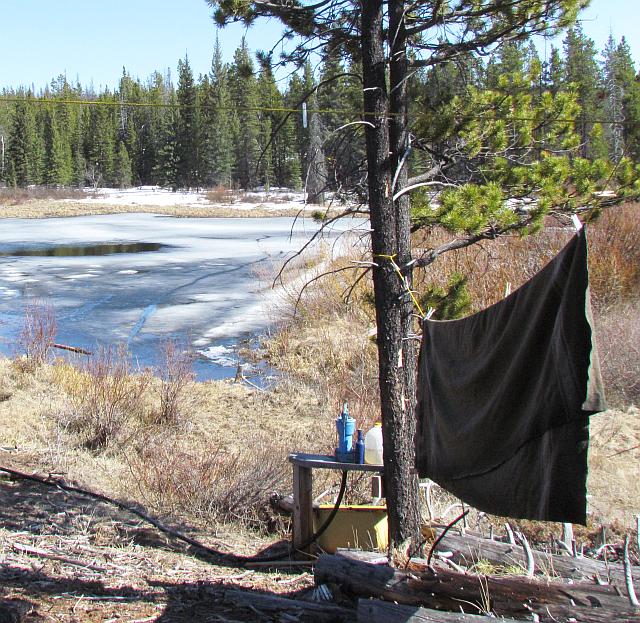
(405, 525)
(391, 247)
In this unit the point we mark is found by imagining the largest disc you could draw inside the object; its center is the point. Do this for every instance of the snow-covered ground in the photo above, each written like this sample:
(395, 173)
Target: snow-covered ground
(272, 200)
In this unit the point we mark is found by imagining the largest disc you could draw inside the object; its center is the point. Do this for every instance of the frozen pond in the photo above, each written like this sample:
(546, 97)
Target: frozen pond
(138, 278)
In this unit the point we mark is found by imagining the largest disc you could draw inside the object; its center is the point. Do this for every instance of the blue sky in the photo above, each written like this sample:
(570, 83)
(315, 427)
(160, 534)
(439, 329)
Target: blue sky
(92, 40)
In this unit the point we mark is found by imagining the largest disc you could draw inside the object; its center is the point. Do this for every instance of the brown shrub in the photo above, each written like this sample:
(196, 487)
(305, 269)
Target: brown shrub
(618, 338)
(175, 373)
(614, 256)
(18, 196)
(37, 334)
(220, 194)
(102, 395)
(220, 484)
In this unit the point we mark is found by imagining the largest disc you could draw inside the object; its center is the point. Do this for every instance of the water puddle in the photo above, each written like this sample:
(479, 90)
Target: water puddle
(83, 250)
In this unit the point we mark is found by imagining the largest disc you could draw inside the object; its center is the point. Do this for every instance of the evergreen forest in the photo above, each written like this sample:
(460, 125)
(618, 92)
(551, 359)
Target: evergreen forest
(238, 127)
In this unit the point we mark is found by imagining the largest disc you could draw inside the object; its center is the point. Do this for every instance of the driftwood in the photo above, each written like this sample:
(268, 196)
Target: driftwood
(377, 611)
(469, 549)
(299, 610)
(32, 551)
(73, 349)
(509, 596)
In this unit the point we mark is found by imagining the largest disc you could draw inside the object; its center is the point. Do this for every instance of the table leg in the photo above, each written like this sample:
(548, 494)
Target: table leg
(302, 507)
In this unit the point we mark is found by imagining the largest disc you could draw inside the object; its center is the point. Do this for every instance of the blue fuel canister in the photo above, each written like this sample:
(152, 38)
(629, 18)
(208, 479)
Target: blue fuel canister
(345, 427)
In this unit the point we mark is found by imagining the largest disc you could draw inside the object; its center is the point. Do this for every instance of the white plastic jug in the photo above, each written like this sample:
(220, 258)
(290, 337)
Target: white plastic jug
(373, 446)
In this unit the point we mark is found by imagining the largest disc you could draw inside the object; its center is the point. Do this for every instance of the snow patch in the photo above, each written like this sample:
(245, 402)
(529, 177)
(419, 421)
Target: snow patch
(220, 355)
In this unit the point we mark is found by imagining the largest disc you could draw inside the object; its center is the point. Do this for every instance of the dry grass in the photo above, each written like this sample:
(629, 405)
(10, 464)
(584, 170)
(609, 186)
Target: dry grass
(67, 209)
(614, 256)
(613, 459)
(326, 341)
(618, 337)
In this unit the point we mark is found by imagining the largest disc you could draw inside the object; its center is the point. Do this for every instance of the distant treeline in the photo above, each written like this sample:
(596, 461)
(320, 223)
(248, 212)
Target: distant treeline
(235, 127)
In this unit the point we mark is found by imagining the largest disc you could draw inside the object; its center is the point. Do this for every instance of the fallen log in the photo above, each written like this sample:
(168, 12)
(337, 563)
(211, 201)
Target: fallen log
(467, 550)
(508, 596)
(308, 611)
(378, 611)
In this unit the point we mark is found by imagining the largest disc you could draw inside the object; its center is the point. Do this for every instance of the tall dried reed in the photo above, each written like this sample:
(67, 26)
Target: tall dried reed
(37, 335)
(175, 373)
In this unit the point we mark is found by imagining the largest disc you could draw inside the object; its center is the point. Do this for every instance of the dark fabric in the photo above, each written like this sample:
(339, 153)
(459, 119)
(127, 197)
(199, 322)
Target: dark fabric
(504, 397)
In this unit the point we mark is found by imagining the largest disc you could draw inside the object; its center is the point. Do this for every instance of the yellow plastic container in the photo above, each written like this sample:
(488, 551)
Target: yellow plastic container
(355, 527)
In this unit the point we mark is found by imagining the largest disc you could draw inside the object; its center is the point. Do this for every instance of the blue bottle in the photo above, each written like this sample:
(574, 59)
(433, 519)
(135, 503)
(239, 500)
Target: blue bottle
(345, 426)
(360, 448)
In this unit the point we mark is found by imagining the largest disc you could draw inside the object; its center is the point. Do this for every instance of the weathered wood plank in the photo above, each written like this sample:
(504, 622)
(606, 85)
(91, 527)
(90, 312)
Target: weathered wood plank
(469, 549)
(308, 611)
(303, 507)
(378, 611)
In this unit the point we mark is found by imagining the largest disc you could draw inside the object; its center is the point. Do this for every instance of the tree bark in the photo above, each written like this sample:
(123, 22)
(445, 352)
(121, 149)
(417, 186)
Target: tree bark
(391, 247)
(405, 523)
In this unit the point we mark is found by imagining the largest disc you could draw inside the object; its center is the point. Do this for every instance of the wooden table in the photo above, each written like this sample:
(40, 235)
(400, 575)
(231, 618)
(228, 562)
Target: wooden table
(303, 466)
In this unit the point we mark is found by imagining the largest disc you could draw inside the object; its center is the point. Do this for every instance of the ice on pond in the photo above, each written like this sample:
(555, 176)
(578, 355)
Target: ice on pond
(190, 278)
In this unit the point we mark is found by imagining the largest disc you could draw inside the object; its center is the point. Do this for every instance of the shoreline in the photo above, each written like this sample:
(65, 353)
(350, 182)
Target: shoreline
(65, 209)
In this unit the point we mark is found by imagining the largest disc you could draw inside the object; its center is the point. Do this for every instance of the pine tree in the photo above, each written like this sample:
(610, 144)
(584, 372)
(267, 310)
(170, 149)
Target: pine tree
(218, 122)
(122, 166)
(187, 149)
(269, 101)
(622, 104)
(132, 120)
(583, 73)
(152, 132)
(58, 163)
(394, 39)
(333, 101)
(21, 150)
(100, 139)
(301, 93)
(165, 163)
(245, 101)
(553, 72)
